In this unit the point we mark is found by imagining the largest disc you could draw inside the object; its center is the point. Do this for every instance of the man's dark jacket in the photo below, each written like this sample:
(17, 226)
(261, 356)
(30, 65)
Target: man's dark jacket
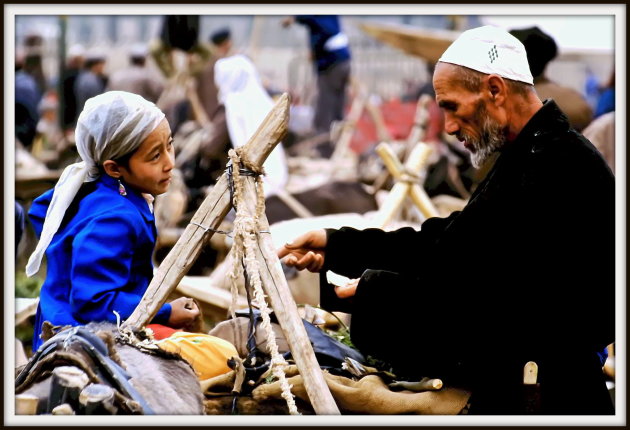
(525, 272)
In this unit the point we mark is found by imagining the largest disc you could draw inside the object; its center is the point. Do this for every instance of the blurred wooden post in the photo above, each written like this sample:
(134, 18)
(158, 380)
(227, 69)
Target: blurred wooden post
(350, 123)
(407, 184)
(379, 122)
(416, 134)
(420, 123)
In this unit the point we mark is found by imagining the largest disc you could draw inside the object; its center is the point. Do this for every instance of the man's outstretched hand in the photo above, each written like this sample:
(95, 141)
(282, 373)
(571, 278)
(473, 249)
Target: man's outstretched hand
(305, 251)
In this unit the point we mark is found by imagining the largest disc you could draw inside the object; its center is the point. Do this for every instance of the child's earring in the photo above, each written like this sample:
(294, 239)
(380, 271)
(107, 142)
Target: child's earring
(121, 188)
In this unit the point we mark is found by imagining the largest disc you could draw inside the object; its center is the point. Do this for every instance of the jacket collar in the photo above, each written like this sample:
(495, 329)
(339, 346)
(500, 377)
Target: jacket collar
(548, 120)
(132, 196)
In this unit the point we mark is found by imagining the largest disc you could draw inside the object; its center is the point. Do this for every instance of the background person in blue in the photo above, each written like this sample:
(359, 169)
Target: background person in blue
(331, 56)
(96, 226)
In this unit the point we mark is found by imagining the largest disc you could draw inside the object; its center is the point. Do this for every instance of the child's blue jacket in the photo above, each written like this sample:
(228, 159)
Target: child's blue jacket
(99, 261)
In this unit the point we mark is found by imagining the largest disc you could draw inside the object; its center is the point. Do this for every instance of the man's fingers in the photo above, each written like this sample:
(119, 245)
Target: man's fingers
(316, 264)
(283, 252)
(290, 260)
(312, 261)
(303, 262)
(291, 246)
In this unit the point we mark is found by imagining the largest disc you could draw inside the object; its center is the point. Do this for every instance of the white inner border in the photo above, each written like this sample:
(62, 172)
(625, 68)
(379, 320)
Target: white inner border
(10, 10)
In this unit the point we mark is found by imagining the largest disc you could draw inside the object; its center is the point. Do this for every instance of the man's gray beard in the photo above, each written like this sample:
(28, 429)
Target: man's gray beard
(491, 140)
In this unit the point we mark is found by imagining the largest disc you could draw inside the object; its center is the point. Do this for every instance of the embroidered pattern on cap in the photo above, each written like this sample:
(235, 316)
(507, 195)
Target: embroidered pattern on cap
(493, 54)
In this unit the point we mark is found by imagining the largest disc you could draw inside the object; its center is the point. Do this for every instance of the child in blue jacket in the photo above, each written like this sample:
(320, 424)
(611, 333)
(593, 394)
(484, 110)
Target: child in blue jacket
(96, 226)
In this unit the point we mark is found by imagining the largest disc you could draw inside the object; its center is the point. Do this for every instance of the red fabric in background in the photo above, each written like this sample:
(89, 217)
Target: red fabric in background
(398, 118)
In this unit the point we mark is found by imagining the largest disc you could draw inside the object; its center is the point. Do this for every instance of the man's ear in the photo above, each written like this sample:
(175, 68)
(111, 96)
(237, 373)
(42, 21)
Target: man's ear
(112, 169)
(497, 88)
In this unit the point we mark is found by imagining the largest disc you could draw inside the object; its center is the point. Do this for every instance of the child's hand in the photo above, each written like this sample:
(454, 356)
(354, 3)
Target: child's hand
(183, 311)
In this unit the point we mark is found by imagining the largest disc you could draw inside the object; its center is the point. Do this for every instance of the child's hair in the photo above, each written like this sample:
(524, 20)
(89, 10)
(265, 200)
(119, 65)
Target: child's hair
(124, 160)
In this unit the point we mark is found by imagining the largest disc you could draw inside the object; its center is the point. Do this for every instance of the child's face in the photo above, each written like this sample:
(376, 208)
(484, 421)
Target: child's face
(151, 165)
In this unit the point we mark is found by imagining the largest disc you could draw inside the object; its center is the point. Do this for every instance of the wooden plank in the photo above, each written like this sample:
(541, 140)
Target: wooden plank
(199, 288)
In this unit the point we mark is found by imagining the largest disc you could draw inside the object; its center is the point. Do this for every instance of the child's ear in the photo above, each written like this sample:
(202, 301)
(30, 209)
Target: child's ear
(112, 169)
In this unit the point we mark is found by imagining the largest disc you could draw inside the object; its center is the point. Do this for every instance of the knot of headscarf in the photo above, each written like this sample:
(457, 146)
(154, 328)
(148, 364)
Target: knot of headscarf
(110, 126)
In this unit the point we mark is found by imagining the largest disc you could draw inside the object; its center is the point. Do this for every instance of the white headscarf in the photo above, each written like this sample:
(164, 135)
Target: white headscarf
(246, 106)
(111, 125)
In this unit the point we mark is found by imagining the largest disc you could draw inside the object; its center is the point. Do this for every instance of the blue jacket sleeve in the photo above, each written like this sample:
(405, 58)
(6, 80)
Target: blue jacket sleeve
(102, 270)
(37, 211)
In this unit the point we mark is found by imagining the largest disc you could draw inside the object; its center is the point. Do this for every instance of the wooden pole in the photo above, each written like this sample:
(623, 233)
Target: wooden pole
(343, 143)
(420, 122)
(416, 134)
(392, 164)
(379, 122)
(391, 205)
(293, 204)
(421, 199)
(277, 290)
(405, 185)
(209, 215)
(417, 160)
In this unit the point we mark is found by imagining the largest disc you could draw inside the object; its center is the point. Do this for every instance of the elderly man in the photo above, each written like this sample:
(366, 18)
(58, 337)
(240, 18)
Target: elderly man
(525, 272)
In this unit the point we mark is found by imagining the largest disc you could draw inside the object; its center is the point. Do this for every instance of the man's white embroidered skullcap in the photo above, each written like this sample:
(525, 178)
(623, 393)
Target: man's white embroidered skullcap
(490, 50)
(110, 126)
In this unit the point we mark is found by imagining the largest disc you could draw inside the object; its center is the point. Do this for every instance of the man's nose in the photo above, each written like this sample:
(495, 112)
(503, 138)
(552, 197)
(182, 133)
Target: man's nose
(450, 125)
